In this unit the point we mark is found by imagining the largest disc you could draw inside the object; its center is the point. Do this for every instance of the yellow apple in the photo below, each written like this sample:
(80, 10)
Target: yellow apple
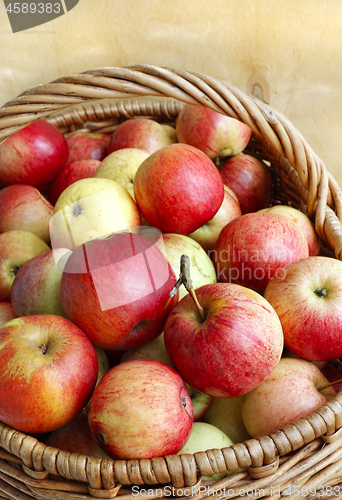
(16, 248)
(208, 234)
(202, 268)
(92, 208)
(121, 166)
(205, 437)
(226, 415)
(153, 350)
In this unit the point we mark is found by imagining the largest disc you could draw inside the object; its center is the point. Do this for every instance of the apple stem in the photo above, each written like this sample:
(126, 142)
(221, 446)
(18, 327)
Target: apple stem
(339, 381)
(185, 279)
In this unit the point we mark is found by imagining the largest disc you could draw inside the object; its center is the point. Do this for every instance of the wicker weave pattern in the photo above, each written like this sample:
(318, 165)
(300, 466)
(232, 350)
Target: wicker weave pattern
(295, 455)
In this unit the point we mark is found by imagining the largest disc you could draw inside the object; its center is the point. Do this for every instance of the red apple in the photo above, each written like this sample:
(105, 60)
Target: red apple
(6, 312)
(149, 414)
(235, 347)
(308, 300)
(34, 155)
(250, 180)
(178, 189)
(213, 133)
(23, 207)
(71, 173)
(208, 234)
(48, 370)
(76, 437)
(16, 248)
(36, 288)
(117, 290)
(142, 133)
(87, 146)
(256, 246)
(290, 392)
(302, 221)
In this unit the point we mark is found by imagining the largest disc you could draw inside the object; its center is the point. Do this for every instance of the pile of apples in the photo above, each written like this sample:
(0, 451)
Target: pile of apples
(153, 301)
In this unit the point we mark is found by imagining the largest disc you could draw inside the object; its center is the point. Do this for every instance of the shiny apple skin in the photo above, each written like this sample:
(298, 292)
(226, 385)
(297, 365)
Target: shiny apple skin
(34, 155)
(48, 370)
(250, 180)
(178, 189)
(234, 349)
(87, 146)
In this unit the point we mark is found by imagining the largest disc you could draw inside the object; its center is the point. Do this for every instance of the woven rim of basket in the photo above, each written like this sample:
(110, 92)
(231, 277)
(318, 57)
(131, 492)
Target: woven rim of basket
(278, 135)
(98, 96)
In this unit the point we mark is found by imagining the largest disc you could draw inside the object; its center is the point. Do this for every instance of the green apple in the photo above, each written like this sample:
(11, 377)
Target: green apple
(205, 437)
(121, 166)
(226, 415)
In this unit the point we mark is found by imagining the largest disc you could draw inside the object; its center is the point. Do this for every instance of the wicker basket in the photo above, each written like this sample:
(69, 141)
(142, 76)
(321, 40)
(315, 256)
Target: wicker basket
(303, 459)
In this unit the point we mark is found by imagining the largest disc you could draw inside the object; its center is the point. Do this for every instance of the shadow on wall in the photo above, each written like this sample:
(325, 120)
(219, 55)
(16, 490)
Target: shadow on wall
(23, 16)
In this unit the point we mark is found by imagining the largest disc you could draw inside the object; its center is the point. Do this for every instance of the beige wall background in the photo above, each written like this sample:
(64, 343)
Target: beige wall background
(289, 51)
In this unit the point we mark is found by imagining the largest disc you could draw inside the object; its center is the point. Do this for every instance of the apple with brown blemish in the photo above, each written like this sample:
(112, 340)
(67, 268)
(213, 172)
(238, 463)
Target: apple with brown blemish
(92, 208)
